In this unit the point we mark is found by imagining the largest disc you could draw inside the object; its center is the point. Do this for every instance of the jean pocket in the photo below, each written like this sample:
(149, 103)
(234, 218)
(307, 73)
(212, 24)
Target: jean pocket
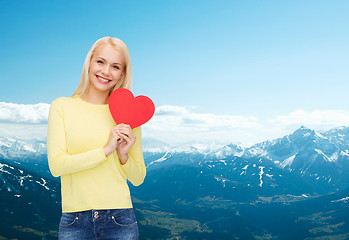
(125, 218)
(68, 219)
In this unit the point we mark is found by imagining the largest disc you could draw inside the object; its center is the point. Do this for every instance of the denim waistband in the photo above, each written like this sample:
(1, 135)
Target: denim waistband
(101, 214)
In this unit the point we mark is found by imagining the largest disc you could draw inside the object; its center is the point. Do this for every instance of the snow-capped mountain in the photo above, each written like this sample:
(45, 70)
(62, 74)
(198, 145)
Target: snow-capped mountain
(27, 154)
(285, 151)
(13, 147)
(304, 163)
(322, 157)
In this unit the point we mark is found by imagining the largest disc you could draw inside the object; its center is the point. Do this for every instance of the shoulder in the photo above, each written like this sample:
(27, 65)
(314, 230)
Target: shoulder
(63, 100)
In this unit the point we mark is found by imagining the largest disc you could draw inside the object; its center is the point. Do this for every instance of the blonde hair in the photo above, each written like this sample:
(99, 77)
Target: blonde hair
(124, 82)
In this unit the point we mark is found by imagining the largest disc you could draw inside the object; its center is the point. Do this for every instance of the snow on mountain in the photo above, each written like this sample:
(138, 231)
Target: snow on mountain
(14, 179)
(303, 143)
(331, 145)
(226, 150)
(323, 157)
(210, 149)
(339, 136)
(14, 148)
(158, 154)
(163, 158)
(286, 162)
(345, 200)
(18, 148)
(305, 151)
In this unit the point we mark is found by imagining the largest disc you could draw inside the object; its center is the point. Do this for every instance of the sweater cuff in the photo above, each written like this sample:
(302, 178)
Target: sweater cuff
(135, 172)
(127, 167)
(102, 154)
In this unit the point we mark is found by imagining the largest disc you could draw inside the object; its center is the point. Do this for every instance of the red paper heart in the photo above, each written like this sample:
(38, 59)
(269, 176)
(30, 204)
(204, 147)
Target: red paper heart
(127, 109)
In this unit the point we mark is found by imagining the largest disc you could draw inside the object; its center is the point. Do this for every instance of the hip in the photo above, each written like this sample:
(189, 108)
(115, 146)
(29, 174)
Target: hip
(99, 224)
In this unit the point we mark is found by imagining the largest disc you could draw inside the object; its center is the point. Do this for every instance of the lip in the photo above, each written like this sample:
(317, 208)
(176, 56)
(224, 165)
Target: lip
(99, 79)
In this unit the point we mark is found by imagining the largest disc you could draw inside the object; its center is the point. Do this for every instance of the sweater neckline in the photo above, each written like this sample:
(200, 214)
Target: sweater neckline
(77, 97)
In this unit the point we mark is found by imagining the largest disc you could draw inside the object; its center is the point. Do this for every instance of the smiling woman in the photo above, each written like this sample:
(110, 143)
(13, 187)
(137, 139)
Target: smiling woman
(93, 156)
(112, 53)
(103, 71)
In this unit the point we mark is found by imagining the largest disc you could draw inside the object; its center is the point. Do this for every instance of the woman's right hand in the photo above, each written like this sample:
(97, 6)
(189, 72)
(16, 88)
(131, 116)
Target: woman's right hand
(112, 143)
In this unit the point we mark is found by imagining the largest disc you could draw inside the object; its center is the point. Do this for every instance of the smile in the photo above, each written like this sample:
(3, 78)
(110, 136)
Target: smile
(102, 79)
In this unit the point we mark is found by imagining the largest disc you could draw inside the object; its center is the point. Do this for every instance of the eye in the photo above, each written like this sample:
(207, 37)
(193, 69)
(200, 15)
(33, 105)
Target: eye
(99, 61)
(116, 67)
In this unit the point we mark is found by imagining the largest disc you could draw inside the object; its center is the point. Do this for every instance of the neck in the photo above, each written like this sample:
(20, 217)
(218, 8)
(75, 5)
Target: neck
(95, 97)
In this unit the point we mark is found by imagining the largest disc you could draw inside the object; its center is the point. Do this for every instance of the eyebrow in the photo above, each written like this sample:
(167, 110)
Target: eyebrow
(106, 60)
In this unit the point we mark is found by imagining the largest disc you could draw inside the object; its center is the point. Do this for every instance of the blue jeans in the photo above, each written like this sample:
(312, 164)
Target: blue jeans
(99, 224)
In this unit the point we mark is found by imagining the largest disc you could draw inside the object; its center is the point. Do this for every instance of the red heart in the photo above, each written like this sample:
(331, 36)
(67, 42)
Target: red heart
(127, 109)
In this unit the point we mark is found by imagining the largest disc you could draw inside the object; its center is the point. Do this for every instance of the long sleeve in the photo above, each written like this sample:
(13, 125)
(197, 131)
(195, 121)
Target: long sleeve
(134, 168)
(60, 162)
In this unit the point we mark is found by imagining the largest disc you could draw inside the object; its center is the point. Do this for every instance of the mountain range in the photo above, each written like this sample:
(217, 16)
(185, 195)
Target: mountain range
(294, 187)
(319, 160)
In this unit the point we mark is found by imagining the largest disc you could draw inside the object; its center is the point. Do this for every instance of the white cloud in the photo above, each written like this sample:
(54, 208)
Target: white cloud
(317, 119)
(178, 124)
(170, 110)
(24, 113)
(175, 124)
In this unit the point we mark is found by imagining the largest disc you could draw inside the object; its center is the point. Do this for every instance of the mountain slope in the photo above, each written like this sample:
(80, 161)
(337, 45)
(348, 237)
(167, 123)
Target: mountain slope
(30, 204)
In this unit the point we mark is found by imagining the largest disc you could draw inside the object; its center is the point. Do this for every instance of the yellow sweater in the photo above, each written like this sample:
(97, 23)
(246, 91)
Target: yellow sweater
(77, 132)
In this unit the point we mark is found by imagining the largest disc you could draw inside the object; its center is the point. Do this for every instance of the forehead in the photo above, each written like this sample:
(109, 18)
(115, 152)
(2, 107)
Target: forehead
(109, 53)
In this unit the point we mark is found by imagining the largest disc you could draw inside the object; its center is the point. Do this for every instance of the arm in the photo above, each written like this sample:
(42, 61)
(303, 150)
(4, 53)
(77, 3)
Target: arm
(134, 168)
(60, 162)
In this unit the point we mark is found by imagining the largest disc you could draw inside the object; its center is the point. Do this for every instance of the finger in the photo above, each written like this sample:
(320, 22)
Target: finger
(117, 129)
(127, 139)
(124, 129)
(123, 135)
(115, 134)
(127, 132)
(120, 141)
(123, 126)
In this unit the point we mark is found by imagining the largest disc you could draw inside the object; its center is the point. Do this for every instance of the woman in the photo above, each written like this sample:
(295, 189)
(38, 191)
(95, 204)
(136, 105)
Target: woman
(93, 156)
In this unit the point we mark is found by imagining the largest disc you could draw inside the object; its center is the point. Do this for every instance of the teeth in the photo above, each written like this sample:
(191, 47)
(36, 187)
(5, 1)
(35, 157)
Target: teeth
(102, 79)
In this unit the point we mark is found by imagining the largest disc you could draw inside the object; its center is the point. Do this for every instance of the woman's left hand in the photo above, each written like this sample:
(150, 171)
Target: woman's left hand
(125, 142)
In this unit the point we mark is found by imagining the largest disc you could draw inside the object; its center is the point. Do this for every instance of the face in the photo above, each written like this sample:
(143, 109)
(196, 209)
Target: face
(106, 68)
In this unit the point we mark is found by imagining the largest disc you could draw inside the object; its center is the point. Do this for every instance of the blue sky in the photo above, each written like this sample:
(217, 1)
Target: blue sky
(248, 58)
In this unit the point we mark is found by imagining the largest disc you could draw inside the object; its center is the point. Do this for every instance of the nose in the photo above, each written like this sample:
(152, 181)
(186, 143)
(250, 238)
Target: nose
(106, 69)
